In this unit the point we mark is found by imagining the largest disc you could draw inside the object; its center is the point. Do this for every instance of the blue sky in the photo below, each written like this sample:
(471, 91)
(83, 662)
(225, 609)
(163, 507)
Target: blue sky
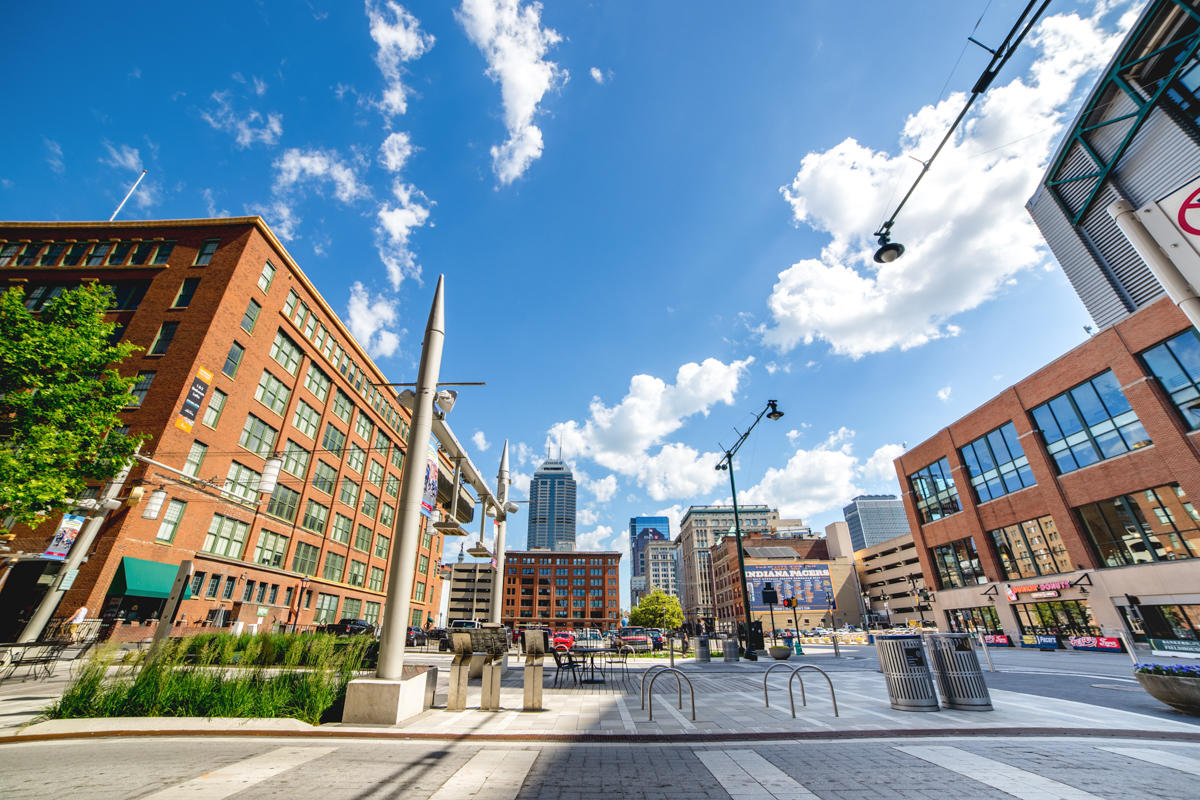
(652, 217)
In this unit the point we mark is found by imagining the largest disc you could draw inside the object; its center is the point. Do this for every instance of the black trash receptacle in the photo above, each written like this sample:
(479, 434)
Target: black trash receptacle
(909, 684)
(956, 668)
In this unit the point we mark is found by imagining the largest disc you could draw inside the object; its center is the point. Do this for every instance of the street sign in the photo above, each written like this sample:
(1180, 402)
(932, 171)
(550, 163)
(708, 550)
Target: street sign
(1174, 223)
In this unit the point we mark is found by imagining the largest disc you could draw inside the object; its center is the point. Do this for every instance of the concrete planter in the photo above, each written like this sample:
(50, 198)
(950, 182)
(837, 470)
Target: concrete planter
(1179, 692)
(780, 653)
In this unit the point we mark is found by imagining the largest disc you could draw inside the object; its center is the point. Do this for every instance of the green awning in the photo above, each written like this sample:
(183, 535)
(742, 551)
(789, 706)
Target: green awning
(142, 578)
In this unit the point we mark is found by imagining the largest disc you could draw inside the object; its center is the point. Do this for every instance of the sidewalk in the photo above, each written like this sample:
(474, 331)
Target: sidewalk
(728, 703)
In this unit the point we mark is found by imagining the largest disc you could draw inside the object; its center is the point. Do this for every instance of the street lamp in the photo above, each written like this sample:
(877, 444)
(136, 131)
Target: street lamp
(771, 412)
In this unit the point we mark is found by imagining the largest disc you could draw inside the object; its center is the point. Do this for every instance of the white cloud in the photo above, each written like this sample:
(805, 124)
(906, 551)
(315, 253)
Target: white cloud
(674, 514)
(525, 454)
(400, 39)
(520, 481)
(210, 205)
(299, 167)
(369, 318)
(593, 539)
(772, 368)
(247, 129)
(280, 216)
(620, 438)
(965, 230)
(480, 441)
(823, 478)
(395, 150)
(597, 75)
(124, 157)
(604, 489)
(514, 44)
(943, 393)
(587, 517)
(396, 223)
(260, 86)
(54, 155)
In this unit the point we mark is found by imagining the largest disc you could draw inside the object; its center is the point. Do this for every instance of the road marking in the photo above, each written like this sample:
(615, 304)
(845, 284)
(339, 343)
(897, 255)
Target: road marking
(242, 775)
(495, 774)
(626, 717)
(784, 712)
(1018, 782)
(746, 775)
(1160, 757)
(684, 721)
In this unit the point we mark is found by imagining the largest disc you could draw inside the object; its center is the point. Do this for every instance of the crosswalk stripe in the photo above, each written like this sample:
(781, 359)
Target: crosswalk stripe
(1018, 782)
(494, 774)
(1162, 758)
(626, 717)
(746, 775)
(241, 775)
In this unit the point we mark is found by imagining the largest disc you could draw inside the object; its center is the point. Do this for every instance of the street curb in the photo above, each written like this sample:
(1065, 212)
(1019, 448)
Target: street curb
(594, 738)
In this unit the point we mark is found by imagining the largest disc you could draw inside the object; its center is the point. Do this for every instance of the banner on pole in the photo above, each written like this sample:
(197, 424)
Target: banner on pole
(64, 537)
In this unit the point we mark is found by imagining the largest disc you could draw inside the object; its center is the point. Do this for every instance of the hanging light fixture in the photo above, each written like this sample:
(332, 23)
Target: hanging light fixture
(155, 503)
(270, 474)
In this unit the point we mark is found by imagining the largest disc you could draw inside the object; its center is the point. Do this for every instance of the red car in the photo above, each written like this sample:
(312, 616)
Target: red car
(563, 639)
(637, 638)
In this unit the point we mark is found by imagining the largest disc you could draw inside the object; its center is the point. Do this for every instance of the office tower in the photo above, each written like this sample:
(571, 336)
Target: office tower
(875, 518)
(552, 507)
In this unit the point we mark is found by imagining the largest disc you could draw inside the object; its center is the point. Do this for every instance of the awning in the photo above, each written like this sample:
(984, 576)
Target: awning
(141, 578)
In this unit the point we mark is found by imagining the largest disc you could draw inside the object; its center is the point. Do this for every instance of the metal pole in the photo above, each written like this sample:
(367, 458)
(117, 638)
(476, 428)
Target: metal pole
(407, 534)
(79, 551)
(1174, 282)
(501, 528)
(166, 620)
(986, 653)
(737, 533)
(128, 195)
(774, 640)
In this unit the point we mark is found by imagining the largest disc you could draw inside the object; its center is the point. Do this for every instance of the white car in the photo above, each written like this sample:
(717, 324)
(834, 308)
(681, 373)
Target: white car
(588, 639)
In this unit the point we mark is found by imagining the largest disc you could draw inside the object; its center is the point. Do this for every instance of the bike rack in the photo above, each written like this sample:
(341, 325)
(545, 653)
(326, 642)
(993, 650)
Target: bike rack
(768, 672)
(678, 674)
(803, 698)
(659, 668)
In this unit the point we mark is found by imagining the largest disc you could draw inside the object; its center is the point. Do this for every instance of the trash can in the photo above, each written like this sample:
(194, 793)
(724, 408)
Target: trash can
(703, 652)
(731, 649)
(909, 684)
(956, 668)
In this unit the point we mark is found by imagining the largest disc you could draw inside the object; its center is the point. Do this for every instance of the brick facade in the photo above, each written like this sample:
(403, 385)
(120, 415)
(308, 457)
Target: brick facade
(540, 590)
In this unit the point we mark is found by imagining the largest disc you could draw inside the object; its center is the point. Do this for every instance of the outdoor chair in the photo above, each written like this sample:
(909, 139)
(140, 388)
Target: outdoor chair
(619, 658)
(39, 658)
(563, 660)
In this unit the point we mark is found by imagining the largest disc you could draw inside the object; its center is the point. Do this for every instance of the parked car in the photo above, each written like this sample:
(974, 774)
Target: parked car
(563, 639)
(633, 637)
(589, 639)
(416, 637)
(349, 626)
(657, 640)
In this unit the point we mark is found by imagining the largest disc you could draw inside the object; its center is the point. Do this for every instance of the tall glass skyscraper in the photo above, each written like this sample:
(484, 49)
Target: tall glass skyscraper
(643, 530)
(552, 507)
(875, 518)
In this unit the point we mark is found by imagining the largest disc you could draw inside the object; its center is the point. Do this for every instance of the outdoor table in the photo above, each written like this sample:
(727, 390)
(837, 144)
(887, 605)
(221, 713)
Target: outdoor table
(590, 654)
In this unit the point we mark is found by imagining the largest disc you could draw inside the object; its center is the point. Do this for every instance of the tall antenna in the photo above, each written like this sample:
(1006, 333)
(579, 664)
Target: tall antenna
(128, 194)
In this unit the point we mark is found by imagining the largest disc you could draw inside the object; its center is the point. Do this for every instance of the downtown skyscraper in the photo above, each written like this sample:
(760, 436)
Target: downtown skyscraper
(552, 507)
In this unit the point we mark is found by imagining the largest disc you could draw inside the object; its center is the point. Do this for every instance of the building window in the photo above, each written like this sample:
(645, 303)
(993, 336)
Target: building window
(272, 393)
(289, 305)
(342, 526)
(242, 481)
(1057, 617)
(204, 257)
(187, 290)
(324, 478)
(233, 360)
(349, 492)
(119, 254)
(270, 549)
(357, 575)
(363, 427)
(387, 515)
(283, 503)
(251, 316)
(248, 592)
(356, 458)
(285, 352)
(1158, 524)
(295, 459)
(195, 458)
(305, 559)
(392, 486)
(1089, 423)
(1176, 365)
(306, 419)
(98, 254)
(326, 612)
(381, 546)
(376, 581)
(230, 583)
(419, 591)
(398, 456)
(934, 490)
(342, 406)
(171, 519)
(141, 388)
(268, 275)
(351, 607)
(214, 585)
(225, 536)
(1031, 549)
(197, 584)
(370, 504)
(362, 539)
(212, 414)
(334, 439)
(980, 619)
(422, 565)
(335, 565)
(164, 252)
(316, 517)
(371, 612)
(257, 436)
(375, 473)
(141, 253)
(957, 564)
(997, 464)
(317, 382)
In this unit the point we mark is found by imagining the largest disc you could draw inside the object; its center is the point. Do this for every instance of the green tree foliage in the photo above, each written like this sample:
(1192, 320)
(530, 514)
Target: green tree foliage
(60, 398)
(657, 610)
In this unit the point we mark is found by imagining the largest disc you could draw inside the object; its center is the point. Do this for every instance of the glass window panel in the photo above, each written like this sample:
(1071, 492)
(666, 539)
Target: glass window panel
(1110, 392)
(999, 447)
(1064, 413)
(1088, 403)
(1047, 424)
(1186, 349)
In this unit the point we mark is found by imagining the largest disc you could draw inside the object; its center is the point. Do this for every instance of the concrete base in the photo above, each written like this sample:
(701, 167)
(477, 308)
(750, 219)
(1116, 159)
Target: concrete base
(456, 698)
(533, 687)
(489, 699)
(370, 701)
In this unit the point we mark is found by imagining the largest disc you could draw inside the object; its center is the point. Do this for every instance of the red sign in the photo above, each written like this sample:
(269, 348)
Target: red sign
(1105, 643)
(997, 639)
(1191, 204)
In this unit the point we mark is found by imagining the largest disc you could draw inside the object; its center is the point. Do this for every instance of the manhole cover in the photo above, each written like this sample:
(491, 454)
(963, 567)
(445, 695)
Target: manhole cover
(1116, 687)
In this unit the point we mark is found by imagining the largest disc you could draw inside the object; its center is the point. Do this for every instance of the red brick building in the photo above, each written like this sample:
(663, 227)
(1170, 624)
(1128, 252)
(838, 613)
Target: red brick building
(561, 591)
(1064, 507)
(220, 307)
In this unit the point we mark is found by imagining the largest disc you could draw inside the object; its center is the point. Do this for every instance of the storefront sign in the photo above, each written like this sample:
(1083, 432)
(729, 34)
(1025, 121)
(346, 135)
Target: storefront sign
(1040, 641)
(60, 545)
(193, 399)
(997, 640)
(68, 580)
(1174, 647)
(1043, 595)
(1106, 644)
(1038, 587)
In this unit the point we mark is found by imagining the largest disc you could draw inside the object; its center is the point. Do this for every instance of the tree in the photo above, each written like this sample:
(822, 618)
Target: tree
(60, 398)
(657, 610)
